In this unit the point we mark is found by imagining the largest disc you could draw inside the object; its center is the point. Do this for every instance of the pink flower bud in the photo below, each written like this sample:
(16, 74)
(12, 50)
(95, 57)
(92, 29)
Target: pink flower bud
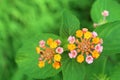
(105, 13)
(99, 48)
(71, 39)
(42, 43)
(95, 25)
(59, 50)
(58, 42)
(84, 30)
(89, 59)
(73, 54)
(40, 59)
(101, 41)
(94, 34)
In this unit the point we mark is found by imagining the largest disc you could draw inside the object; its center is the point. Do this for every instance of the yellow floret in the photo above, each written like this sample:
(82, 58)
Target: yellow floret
(80, 58)
(71, 47)
(41, 64)
(38, 50)
(53, 45)
(79, 33)
(57, 57)
(96, 40)
(49, 41)
(88, 35)
(56, 65)
(95, 54)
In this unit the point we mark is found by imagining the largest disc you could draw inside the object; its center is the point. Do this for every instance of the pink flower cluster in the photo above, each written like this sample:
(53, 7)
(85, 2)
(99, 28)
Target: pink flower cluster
(58, 49)
(89, 59)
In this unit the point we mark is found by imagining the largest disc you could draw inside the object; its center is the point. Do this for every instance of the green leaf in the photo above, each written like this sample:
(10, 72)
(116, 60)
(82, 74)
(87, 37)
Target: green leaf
(100, 5)
(27, 58)
(115, 75)
(72, 70)
(110, 34)
(56, 77)
(69, 25)
(99, 66)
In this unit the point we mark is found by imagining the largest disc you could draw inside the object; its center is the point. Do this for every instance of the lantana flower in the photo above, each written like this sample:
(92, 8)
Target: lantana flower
(50, 52)
(87, 44)
(105, 14)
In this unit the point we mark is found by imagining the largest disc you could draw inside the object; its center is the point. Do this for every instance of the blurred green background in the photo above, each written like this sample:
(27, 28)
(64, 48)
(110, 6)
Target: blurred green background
(23, 18)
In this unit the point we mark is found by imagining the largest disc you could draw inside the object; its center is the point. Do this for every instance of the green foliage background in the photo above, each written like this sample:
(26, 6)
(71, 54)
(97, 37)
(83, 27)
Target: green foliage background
(21, 19)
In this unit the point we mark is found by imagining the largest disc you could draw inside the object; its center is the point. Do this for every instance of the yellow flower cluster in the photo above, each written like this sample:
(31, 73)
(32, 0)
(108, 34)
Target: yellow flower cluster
(85, 42)
(84, 46)
(48, 53)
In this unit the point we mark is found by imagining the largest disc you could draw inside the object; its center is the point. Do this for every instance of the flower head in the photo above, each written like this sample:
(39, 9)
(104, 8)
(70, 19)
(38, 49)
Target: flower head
(49, 41)
(73, 54)
(99, 48)
(89, 59)
(53, 44)
(57, 57)
(71, 47)
(95, 25)
(105, 13)
(80, 58)
(87, 44)
(41, 64)
(42, 43)
(95, 54)
(79, 33)
(59, 50)
(50, 53)
(38, 50)
(56, 65)
(94, 34)
(84, 30)
(71, 39)
(88, 35)
(58, 42)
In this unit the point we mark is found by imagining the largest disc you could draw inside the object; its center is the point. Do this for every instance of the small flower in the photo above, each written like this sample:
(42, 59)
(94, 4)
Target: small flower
(80, 58)
(71, 39)
(89, 59)
(49, 53)
(42, 43)
(73, 54)
(96, 40)
(95, 54)
(40, 59)
(53, 44)
(59, 50)
(57, 57)
(105, 13)
(95, 25)
(84, 30)
(71, 47)
(41, 64)
(49, 41)
(99, 48)
(38, 50)
(87, 35)
(56, 65)
(94, 34)
(58, 41)
(79, 33)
